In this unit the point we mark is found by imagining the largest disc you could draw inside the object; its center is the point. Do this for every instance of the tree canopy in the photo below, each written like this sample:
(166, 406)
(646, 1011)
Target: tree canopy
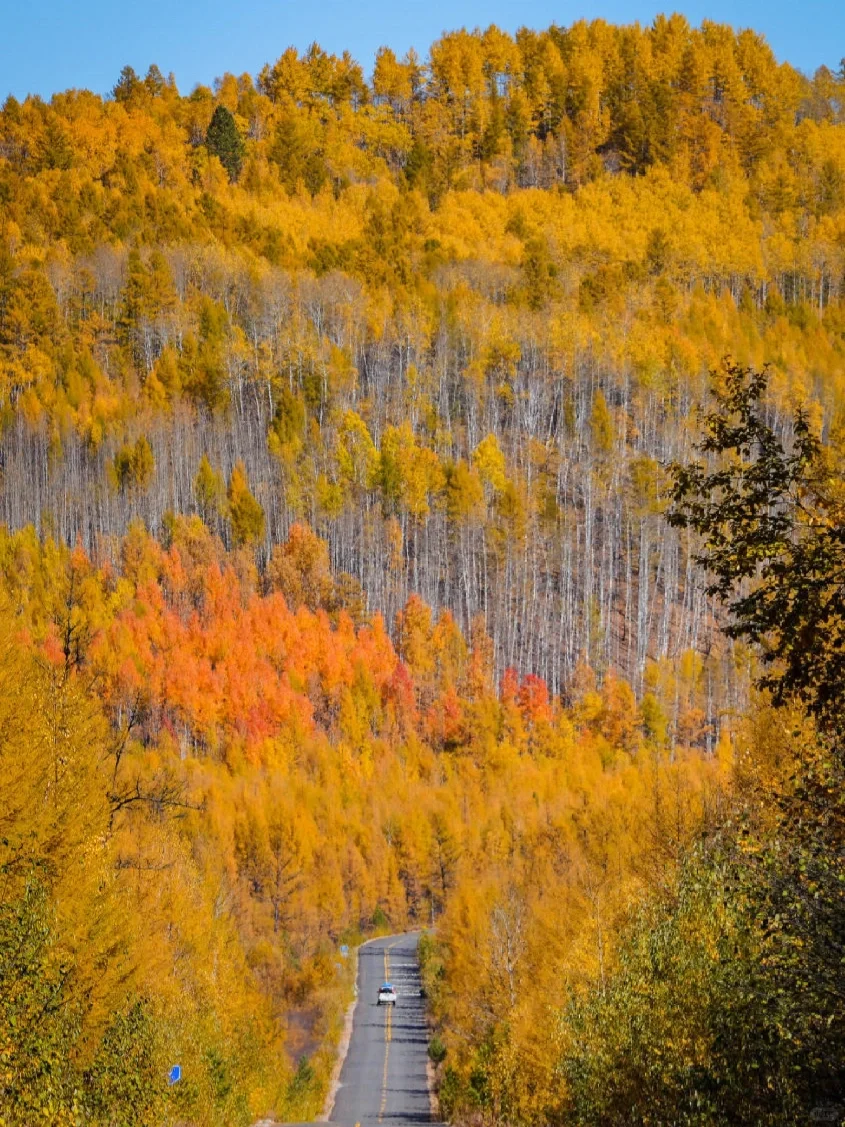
(224, 141)
(772, 529)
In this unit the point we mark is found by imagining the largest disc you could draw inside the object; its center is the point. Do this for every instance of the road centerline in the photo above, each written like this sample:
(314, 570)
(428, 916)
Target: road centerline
(388, 1034)
(383, 1080)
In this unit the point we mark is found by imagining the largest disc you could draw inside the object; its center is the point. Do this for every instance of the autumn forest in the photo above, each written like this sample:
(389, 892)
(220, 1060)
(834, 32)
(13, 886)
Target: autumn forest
(422, 507)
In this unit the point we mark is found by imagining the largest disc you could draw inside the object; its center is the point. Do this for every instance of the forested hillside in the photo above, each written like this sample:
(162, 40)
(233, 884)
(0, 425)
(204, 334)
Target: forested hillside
(454, 317)
(711, 991)
(204, 792)
(338, 416)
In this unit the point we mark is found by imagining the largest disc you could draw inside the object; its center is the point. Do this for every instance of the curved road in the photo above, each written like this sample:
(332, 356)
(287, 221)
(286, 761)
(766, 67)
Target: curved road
(384, 1078)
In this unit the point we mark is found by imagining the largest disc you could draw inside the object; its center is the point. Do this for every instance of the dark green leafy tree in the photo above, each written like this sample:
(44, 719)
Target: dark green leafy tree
(224, 141)
(39, 1022)
(128, 1071)
(721, 1010)
(42, 1009)
(773, 541)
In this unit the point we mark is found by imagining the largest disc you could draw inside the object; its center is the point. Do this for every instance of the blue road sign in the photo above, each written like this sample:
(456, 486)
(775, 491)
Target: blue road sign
(344, 950)
(175, 1074)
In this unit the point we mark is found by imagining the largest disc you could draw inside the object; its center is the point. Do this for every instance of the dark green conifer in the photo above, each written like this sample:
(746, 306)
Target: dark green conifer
(128, 86)
(224, 142)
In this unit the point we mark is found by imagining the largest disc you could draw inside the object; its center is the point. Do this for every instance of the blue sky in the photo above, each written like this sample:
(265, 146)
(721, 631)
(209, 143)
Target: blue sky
(55, 44)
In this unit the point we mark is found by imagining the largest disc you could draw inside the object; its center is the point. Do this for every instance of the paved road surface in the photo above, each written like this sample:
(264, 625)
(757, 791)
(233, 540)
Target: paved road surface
(383, 1079)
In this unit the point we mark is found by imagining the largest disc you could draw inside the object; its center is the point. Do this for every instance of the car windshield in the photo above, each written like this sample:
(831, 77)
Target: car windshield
(387, 986)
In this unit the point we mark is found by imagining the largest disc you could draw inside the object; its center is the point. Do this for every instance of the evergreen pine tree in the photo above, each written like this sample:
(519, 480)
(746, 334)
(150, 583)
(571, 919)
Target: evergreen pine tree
(128, 86)
(224, 142)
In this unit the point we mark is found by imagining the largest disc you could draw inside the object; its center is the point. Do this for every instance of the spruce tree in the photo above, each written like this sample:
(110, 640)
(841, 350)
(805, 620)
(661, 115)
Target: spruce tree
(224, 142)
(128, 86)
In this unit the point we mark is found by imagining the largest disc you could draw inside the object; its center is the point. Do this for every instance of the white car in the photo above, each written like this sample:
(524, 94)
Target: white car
(386, 995)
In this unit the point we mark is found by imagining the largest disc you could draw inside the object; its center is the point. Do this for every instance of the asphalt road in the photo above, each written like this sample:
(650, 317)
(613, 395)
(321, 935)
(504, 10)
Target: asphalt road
(383, 1079)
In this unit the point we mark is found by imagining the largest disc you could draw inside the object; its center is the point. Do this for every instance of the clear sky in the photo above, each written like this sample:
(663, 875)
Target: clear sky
(49, 45)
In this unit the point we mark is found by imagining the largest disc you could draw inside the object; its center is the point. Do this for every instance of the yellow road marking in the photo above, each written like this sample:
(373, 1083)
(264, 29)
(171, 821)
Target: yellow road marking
(384, 1082)
(388, 1035)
